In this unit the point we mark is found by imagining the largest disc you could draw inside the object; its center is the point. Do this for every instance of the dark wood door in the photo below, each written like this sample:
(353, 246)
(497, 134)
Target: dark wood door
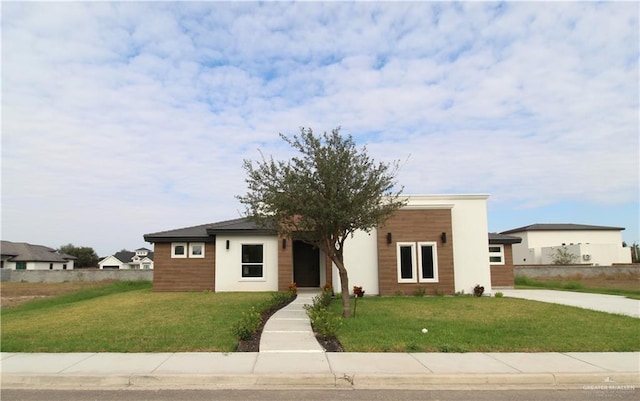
(306, 265)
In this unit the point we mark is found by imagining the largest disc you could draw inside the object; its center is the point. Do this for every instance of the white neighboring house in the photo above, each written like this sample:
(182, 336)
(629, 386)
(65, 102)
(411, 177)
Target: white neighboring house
(24, 256)
(140, 259)
(592, 245)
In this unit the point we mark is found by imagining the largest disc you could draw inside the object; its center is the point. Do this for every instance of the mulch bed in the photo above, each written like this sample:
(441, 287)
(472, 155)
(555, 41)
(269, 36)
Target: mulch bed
(253, 344)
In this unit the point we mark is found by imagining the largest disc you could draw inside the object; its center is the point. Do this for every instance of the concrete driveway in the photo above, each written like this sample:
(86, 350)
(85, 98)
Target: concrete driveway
(600, 302)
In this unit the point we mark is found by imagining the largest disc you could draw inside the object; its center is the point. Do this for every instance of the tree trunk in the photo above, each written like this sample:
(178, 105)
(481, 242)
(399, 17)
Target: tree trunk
(344, 285)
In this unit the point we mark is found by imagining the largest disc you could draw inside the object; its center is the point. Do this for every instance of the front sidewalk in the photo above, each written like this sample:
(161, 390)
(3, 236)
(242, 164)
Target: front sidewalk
(318, 369)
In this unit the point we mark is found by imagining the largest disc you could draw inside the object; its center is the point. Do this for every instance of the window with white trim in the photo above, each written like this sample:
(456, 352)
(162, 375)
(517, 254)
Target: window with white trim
(417, 262)
(196, 250)
(406, 262)
(428, 262)
(496, 254)
(252, 261)
(179, 250)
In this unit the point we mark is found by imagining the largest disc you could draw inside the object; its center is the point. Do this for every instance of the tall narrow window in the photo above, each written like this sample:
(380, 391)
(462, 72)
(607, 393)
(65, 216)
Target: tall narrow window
(428, 262)
(252, 261)
(406, 262)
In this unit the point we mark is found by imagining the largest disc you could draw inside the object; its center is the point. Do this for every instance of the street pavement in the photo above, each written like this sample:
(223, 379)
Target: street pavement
(290, 357)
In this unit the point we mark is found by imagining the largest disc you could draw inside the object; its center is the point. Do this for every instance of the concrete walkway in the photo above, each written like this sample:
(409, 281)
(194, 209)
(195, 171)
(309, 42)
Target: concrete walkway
(600, 302)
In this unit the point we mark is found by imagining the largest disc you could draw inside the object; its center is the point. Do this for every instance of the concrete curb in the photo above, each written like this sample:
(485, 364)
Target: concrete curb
(361, 381)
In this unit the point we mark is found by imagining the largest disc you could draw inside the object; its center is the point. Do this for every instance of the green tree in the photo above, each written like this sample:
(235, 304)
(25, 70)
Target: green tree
(324, 196)
(87, 257)
(562, 256)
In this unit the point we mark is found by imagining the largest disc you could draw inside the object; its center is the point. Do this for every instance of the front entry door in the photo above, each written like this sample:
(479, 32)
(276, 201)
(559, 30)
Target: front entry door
(306, 265)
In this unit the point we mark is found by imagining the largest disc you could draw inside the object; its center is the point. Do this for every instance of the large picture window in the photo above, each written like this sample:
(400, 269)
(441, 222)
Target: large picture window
(252, 261)
(417, 262)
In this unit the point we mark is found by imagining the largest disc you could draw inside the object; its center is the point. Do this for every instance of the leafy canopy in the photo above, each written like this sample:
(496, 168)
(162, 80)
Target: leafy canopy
(325, 195)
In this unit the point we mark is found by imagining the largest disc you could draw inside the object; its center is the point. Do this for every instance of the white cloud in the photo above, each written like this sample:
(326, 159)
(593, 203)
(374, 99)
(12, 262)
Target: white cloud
(135, 117)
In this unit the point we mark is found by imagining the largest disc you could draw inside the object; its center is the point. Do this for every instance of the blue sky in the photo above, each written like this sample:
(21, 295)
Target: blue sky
(120, 119)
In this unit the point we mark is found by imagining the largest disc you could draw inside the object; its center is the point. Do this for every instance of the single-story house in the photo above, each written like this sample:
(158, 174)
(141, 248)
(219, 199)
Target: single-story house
(592, 245)
(24, 256)
(436, 242)
(140, 259)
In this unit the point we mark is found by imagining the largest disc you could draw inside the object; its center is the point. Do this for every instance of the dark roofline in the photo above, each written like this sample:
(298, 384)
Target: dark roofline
(562, 227)
(207, 232)
(495, 238)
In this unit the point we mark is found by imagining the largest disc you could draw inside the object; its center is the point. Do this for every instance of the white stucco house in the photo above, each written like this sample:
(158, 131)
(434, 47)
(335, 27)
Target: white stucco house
(592, 245)
(140, 259)
(25, 256)
(438, 243)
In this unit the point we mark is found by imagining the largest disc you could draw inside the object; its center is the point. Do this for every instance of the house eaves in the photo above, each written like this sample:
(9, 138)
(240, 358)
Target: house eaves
(561, 227)
(495, 238)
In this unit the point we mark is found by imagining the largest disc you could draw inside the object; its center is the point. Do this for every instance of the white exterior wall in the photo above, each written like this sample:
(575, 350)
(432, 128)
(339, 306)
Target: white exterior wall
(229, 264)
(470, 229)
(361, 261)
(40, 265)
(605, 247)
(591, 254)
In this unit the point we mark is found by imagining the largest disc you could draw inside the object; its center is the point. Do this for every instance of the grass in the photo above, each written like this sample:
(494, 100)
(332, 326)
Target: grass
(469, 324)
(573, 285)
(127, 317)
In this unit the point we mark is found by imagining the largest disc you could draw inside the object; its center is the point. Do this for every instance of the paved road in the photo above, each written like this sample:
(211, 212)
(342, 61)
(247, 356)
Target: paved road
(600, 302)
(613, 393)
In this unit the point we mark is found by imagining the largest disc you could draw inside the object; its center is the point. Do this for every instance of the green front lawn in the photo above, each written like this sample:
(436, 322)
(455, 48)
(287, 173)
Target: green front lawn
(469, 324)
(122, 319)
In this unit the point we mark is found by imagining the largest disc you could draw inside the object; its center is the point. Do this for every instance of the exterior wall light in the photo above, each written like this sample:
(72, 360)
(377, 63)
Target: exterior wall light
(284, 243)
(443, 238)
(389, 239)
(227, 244)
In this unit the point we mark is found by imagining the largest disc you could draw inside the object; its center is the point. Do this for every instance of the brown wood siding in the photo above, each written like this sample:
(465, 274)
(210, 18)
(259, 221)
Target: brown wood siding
(183, 274)
(285, 264)
(416, 226)
(502, 275)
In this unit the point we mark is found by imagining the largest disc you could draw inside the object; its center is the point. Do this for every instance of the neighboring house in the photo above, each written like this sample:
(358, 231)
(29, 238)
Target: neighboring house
(140, 259)
(593, 245)
(436, 242)
(501, 259)
(24, 256)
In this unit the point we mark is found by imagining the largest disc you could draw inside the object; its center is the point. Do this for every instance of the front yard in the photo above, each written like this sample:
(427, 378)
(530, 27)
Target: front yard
(129, 317)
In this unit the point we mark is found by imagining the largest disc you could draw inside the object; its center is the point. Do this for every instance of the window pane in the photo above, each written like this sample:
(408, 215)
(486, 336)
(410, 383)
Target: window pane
(427, 261)
(196, 249)
(494, 249)
(251, 253)
(406, 262)
(179, 250)
(251, 270)
(496, 259)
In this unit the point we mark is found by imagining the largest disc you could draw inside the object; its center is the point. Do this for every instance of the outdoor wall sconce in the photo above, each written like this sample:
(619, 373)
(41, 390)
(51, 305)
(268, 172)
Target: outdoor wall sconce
(443, 238)
(389, 239)
(227, 244)
(284, 243)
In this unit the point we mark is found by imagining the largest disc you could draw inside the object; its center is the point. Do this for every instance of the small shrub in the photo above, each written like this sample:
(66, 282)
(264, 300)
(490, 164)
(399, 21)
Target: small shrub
(358, 291)
(499, 294)
(327, 288)
(460, 294)
(478, 290)
(419, 292)
(439, 292)
(248, 324)
(324, 322)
